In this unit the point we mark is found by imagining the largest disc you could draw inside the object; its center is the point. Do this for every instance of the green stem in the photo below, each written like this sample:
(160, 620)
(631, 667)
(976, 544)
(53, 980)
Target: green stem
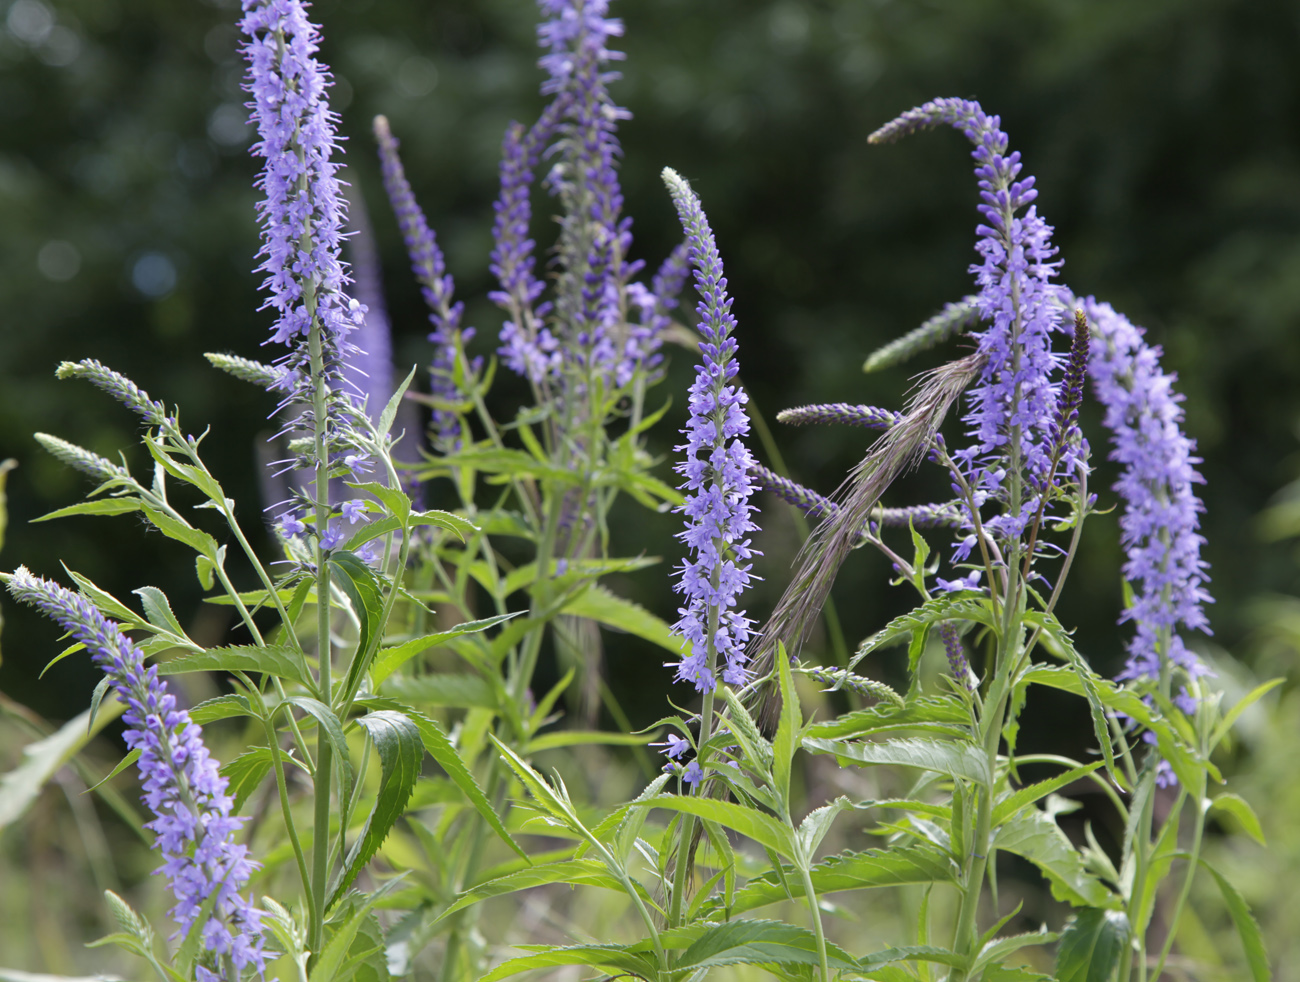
(324, 752)
(813, 909)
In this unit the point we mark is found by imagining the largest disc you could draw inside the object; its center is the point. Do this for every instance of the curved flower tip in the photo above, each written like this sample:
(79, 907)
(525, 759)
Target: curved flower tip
(1014, 406)
(717, 469)
(193, 818)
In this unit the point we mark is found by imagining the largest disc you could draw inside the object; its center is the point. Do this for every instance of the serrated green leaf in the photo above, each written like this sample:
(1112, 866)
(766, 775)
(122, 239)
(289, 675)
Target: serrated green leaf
(199, 541)
(1008, 805)
(759, 826)
(944, 757)
(1088, 680)
(1247, 928)
(436, 519)
(613, 958)
(442, 689)
(204, 569)
(993, 951)
(1237, 806)
(158, 610)
(359, 581)
(745, 942)
(948, 712)
(331, 964)
(910, 953)
(245, 774)
(105, 601)
(817, 823)
(388, 660)
(943, 608)
(440, 748)
(583, 872)
(397, 740)
(280, 660)
(1034, 836)
(99, 506)
(221, 707)
(333, 730)
(598, 604)
(386, 418)
(786, 740)
(43, 758)
(1092, 945)
(396, 501)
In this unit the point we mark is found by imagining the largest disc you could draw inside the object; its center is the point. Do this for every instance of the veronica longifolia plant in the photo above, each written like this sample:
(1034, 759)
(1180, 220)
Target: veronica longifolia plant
(379, 632)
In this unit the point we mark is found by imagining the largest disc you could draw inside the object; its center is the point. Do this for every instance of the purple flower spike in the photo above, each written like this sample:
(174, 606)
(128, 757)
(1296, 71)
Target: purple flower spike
(436, 284)
(716, 469)
(1020, 305)
(182, 786)
(303, 212)
(1161, 511)
(527, 348)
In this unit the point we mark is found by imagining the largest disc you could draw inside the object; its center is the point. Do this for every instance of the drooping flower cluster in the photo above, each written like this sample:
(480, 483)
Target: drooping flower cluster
(1159, 527)
(716, 468)
(436, 284)
(1014, 402)
(182, 787)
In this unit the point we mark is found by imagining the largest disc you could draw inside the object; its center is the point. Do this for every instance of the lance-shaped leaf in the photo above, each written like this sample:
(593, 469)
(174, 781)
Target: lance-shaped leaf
(598, 604)
(615, 959)
(1092, 945)
(388, 660)
(1034, 836)
(944, 608)
(916, 863)
(280, 660)
(1247, 928)
(944, 714)
(744, 942)
(397, 740)
(759, 826)
(944, 757)
(575, 872)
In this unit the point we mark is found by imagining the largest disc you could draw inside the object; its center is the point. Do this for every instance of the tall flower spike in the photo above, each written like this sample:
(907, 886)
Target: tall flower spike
(716, 469)
(527, 348)
(182, 786)
(1015, 395)
(595, 237)
(436, 284)
(1161, 511)
(303, 211)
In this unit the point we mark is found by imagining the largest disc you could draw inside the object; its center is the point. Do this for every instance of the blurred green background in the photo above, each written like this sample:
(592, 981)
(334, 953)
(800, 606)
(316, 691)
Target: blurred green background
(1165, 136)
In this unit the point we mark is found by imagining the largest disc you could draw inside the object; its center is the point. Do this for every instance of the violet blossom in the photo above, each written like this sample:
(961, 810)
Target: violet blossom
(436, 285)
(716, 469)
(303, 211)
(182, 786)
(1159, 526)
(1015, 396)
